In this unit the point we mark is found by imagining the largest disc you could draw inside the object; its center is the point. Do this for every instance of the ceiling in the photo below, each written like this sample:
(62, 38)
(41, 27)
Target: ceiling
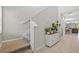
(71, 14)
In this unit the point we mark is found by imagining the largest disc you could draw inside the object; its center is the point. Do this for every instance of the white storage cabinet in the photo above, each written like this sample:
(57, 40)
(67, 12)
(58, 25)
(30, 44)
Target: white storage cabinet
(52, 39)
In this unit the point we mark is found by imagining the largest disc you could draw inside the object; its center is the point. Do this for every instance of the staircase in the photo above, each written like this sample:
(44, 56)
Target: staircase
(14, 45)
(10, 47)
(43, 14)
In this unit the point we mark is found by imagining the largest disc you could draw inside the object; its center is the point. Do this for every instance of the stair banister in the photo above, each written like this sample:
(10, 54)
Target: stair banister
(32, 31)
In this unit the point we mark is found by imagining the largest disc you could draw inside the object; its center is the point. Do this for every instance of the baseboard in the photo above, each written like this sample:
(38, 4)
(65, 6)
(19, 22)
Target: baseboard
(39, 48)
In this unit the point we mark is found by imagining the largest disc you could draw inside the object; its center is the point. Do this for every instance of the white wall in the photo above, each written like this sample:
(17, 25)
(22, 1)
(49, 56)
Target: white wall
(14, 16)
(62, 21)
(0, 19)
(12, 22)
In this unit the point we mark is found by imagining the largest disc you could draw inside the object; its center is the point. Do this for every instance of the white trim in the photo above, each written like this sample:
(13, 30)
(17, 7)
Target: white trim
(12, 40)
(26, 21)
(39, 47)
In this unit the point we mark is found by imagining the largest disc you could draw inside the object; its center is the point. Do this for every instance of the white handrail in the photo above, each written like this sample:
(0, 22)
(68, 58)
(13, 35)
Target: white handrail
(29, 20)
(26, 21)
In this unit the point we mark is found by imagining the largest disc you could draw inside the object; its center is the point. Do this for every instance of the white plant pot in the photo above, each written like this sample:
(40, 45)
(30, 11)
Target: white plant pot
(48, 33)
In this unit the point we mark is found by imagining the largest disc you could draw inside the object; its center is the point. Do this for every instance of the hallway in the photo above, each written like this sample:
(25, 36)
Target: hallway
(68, 44)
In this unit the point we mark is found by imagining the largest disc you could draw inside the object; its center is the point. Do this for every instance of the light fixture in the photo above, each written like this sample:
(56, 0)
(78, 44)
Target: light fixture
(67, 22)
(70, 13)
(68, 19)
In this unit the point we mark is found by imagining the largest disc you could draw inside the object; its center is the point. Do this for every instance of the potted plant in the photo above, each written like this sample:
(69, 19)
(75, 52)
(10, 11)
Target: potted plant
(52, 30)
(48, 30)
(55, 26)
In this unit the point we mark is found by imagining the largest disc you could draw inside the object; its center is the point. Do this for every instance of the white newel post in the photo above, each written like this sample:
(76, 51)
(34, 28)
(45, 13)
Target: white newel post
(33, 25)
(32, 30)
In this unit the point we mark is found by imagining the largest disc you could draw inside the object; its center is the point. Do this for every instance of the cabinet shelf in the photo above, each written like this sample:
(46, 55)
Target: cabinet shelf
(52, 39)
